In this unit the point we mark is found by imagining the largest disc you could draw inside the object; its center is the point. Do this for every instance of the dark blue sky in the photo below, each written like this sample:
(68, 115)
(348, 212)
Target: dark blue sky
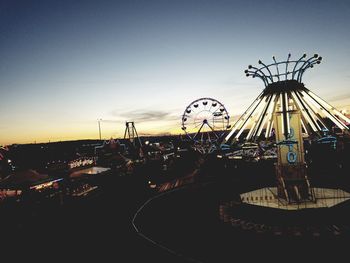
(66, 63)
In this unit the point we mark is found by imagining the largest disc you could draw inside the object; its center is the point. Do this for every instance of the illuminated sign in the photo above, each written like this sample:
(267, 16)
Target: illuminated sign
(53, 184)
(291, 150)
(5, 193)
(81, 162)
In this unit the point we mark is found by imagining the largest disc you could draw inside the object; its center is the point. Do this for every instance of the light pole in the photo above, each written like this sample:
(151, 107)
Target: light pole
(99, 127)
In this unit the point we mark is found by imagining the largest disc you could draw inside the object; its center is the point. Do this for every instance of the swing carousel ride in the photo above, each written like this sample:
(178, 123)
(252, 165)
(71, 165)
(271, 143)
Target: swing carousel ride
(284, 111)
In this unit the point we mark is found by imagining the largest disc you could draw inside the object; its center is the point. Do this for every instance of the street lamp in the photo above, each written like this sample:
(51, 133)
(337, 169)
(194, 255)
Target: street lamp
(99, 127)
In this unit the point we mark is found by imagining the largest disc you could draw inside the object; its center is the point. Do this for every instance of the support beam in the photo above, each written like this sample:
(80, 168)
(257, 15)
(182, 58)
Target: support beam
(246, 115)
(257, 117)
(327, 112)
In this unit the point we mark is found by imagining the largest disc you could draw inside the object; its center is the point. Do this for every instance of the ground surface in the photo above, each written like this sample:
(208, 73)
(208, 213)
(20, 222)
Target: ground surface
(184, 224)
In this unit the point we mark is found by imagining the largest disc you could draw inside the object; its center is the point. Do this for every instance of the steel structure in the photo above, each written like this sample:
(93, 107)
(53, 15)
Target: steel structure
(131, 133)
(205, 121)
(284, 92)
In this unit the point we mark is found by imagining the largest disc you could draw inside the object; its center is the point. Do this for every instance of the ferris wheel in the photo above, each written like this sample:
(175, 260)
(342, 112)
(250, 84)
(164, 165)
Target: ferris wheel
(205, 121)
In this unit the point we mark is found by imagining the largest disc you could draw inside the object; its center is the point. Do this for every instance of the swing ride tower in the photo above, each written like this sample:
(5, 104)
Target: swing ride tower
(289, 109)
(284, 111)
(284, 92)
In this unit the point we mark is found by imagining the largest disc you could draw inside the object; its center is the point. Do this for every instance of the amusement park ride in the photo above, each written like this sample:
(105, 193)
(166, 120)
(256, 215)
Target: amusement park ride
(205, 121)
(291, 109)
(131, 134)
(285, 92)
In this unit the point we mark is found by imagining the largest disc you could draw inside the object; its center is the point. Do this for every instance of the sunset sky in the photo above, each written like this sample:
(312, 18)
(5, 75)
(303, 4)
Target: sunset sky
(65, 64)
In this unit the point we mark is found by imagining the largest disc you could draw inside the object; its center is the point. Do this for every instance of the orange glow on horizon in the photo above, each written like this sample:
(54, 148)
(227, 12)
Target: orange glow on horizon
(42, 137)
(39, 133)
